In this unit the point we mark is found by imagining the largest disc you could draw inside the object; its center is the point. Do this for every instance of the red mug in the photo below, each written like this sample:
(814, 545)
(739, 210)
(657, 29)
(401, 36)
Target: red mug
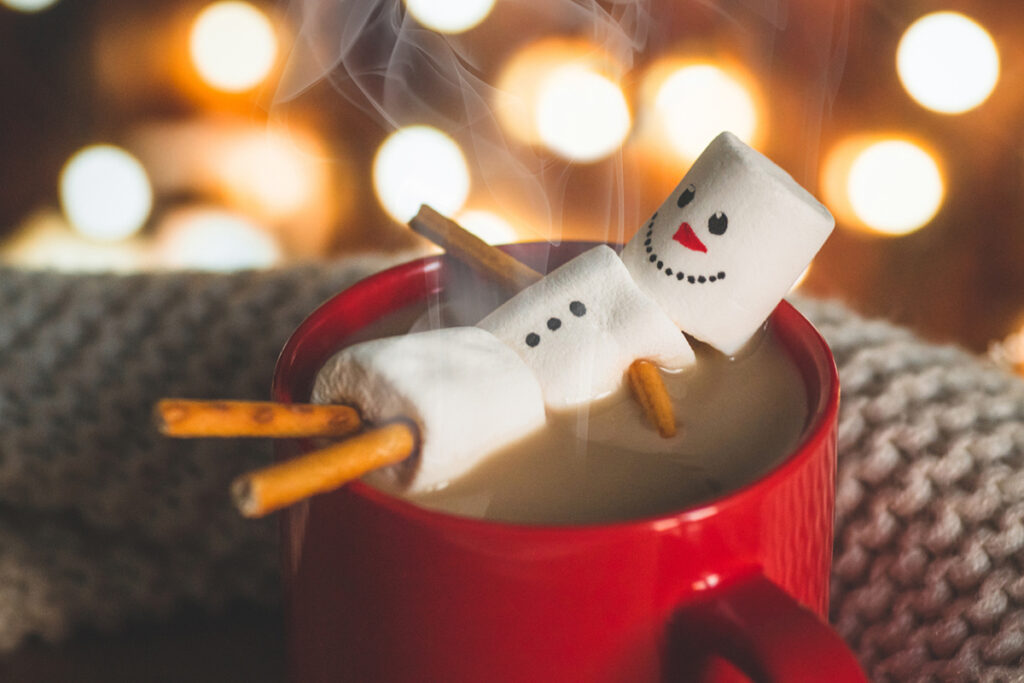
(377, 589)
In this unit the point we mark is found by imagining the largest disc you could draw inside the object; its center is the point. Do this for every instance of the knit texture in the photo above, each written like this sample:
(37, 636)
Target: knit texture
(928, 573)
(102, 520)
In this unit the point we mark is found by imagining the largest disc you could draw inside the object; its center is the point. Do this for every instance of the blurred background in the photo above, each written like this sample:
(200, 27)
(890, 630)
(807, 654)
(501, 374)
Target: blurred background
(226, 135)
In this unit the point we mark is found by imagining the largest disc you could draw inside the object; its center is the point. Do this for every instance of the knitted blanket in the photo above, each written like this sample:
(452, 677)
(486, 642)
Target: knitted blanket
(102, 520)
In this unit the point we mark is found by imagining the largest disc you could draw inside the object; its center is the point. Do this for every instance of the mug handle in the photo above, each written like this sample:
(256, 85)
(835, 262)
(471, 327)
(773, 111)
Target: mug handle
(763, 631)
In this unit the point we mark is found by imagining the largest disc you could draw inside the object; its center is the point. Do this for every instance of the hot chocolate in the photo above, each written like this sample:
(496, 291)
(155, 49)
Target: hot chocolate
(739, 417)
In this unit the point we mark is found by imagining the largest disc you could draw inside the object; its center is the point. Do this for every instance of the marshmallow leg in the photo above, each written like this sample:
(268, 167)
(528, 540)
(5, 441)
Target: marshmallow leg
(581, 327)
(467, 392)
(727, 244)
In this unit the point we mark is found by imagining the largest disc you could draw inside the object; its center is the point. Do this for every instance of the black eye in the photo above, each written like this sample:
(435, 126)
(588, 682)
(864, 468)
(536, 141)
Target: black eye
(718, 223)
(687, 196)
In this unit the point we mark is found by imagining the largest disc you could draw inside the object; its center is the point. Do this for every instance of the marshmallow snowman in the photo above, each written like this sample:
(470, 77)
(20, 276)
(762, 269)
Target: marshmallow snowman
(727, 244)
(581, 326)
(468, 393)
(714, 261)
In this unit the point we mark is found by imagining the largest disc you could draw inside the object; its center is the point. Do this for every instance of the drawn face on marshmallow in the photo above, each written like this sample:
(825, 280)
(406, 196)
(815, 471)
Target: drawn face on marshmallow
(579, 328)
(724, 248)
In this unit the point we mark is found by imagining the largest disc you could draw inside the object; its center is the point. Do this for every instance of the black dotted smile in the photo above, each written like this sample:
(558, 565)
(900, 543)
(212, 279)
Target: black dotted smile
(577, 308)
(680, 276)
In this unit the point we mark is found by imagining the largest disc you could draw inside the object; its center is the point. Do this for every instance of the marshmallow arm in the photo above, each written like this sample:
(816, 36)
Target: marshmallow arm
(467, 392)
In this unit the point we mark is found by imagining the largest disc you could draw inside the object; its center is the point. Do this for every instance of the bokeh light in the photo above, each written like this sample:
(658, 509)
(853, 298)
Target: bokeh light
(1009, 352)
(947, 62)
(884, 184)
(105, 193)
(525, 78)
(581, 115)
(233, 46)
(28, 6)
(449, 16)
(271, 173)
(420, 165)
(488, 226)
(695, 102)
(280, 174)
(44, 240)
(214, 239)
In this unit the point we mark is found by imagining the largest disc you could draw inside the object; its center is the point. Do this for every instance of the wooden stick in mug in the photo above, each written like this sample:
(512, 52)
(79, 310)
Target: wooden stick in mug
(465, 247)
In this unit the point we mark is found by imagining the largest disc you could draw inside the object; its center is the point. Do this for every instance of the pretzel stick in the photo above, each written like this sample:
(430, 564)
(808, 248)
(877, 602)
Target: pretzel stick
(263, 491)
(650, 392)
(467, 248)
(190, 419)
(495, 264)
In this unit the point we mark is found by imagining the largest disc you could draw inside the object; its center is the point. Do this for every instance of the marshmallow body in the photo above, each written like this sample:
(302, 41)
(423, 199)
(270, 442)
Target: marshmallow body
(581, 327)
(727, 244)
(467, 392)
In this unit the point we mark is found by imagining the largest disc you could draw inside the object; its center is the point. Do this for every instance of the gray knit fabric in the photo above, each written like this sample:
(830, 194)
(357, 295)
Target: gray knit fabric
(102, 520)
(928, 575)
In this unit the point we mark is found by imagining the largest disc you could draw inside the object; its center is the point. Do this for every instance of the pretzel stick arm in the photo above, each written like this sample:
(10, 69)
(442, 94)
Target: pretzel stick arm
(192, 419)
(261, 492)
(651, 394)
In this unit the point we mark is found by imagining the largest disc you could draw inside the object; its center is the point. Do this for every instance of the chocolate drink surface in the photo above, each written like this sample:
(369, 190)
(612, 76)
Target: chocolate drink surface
(602, 463)
(738, 418)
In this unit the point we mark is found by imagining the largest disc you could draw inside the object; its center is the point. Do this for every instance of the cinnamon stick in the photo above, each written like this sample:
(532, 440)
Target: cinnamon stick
(464, 246)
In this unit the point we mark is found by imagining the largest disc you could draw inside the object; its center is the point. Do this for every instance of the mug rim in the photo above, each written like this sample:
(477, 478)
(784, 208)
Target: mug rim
(801, 337)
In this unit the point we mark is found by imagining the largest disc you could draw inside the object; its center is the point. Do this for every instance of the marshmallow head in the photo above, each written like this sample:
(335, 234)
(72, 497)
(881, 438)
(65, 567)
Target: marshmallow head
(468, 393)
(581, 327)
(727, 244)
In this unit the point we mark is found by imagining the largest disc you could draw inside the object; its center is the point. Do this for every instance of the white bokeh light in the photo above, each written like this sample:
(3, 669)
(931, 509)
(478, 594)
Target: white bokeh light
(44, 240)
(488, 226)
(28, 6)
(233, 45)
(523, 77)
(213, 239)
(449, 16)
(105, 193)
(581, 115)
(947, 62)
(895, 187)
(697, 102)
(270, 173)
(420, 165)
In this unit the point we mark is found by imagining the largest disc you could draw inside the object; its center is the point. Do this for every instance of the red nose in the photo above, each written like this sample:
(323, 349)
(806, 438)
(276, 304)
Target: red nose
(688, 238)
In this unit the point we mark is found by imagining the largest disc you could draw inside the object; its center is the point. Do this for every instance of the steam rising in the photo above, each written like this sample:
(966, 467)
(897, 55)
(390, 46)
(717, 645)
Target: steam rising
(375, 54)
(402, 74)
